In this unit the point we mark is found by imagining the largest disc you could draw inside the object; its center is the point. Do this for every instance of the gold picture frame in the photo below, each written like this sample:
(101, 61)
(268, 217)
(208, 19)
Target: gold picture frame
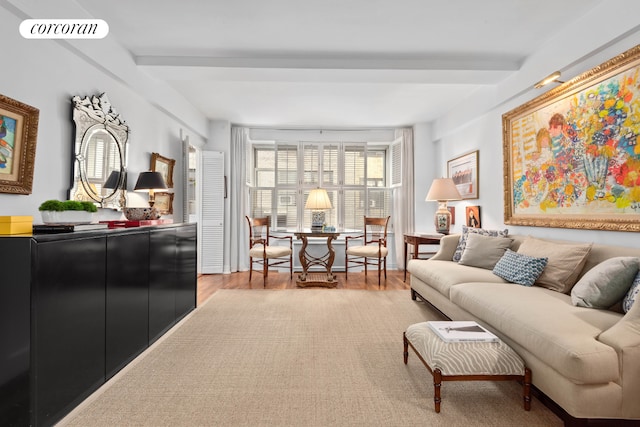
(164, 202)
(18, 137)
(571, 156)
(165, 166)
(464, 172)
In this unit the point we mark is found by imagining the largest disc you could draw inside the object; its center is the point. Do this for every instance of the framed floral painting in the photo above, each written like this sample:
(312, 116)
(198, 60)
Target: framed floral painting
(18, 136)
(572, 155)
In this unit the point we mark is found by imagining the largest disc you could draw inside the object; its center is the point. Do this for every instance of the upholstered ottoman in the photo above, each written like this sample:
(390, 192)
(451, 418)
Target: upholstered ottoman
(465, 361)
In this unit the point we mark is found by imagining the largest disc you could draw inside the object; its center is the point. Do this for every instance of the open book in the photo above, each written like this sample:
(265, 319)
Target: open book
(457, 331)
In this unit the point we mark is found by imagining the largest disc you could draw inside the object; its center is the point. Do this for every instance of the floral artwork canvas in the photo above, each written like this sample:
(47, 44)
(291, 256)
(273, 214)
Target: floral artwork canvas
(572, 156)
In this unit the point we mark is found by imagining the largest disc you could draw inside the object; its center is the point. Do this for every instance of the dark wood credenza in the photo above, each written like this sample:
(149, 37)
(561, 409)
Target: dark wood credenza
(75, 308)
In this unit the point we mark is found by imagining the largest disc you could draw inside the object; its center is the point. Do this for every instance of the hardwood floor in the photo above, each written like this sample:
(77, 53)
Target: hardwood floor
(209, 283)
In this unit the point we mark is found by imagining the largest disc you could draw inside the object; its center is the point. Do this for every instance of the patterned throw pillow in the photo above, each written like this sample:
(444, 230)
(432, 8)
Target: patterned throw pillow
(462, 242)
(518, 268)
(632, 295)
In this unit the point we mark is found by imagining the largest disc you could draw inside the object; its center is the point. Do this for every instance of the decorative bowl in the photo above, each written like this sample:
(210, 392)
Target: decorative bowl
(140, 214)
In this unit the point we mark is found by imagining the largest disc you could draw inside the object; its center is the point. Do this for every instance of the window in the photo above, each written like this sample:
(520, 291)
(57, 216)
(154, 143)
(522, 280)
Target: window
(354, 175)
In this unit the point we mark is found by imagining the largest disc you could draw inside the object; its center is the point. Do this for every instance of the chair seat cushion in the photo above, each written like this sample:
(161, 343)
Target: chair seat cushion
(370, 251)
(272, 251)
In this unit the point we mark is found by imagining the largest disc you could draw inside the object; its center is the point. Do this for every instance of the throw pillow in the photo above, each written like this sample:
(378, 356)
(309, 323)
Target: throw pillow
(632, 295)
(564, 265)
(462, 242)
(484, 251)
(606, 283)
(518, 268)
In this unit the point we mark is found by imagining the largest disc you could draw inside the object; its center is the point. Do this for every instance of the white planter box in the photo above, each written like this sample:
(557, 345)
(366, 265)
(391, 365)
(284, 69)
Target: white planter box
(67, 217)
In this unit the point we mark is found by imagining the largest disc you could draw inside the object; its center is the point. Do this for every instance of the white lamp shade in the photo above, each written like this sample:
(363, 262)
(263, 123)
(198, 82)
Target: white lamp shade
(443, 189)
(318, 199)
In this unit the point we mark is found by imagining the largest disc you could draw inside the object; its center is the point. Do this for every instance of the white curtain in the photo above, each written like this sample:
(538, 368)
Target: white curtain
(239, 201)
(403, 196)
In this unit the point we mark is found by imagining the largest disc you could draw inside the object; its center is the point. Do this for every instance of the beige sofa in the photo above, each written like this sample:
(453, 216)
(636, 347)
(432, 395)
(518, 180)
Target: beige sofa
(586, 360)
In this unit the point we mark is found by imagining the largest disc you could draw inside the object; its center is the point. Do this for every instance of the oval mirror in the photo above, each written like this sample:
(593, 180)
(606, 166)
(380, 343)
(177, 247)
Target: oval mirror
(100, 153)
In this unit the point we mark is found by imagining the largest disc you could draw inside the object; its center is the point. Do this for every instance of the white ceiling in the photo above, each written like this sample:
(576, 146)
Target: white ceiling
(340, 63)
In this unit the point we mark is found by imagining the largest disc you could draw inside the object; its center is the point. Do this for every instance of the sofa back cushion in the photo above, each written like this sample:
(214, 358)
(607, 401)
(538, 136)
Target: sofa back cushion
(605, 284)
(565, 262)
(462, 241)
(484, 251)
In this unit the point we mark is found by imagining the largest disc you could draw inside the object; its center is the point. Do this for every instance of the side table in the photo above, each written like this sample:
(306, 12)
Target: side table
(307, 260)
(416, 240)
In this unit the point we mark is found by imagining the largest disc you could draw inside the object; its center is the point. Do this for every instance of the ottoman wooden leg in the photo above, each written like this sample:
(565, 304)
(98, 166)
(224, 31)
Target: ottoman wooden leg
(437, 382)
(527, 389)
(406, 348)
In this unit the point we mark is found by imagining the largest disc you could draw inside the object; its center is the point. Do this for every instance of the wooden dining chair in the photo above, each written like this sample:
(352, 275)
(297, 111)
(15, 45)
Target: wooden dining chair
(262, 253)
(373, 251)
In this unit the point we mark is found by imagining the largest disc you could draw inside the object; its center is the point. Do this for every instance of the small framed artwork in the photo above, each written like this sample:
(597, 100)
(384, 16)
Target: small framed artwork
(164, 165)
(452, 211)
(164, 202)
(464, 172)
(18, 135)
(473, 216)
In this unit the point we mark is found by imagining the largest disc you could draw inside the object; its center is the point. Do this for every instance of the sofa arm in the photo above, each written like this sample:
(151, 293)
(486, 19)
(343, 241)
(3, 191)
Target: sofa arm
(448, 245)
(624, 337)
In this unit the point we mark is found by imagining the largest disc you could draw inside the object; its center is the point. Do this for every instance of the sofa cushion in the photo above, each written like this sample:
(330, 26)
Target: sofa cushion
(564, 265)
(605, 284)
(484, 251)
(441, 275)
(518, 268)
(632, 295)
(546, 324)
(462, 241)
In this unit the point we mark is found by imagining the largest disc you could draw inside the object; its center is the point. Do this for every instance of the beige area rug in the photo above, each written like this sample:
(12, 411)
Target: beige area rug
(311, 357)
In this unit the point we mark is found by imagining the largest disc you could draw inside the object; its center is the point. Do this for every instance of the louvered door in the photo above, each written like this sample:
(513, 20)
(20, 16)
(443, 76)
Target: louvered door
(212, 218)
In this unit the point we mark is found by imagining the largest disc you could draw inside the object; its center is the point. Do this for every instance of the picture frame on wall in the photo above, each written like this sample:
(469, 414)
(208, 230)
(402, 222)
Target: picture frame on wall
(164, 202)
(472, 217)
(165, 166)
(464, 172)
(18, 137)
(572, 155)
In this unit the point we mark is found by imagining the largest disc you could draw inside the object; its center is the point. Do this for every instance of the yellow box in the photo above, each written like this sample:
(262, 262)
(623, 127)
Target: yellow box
(16, 224)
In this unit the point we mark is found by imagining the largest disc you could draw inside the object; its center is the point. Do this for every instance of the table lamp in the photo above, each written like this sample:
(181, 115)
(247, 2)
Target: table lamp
(317, 201)
(443, 190)
(150, 181)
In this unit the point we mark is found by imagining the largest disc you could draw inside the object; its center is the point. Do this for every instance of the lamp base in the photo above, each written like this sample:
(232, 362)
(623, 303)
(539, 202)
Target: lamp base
(317, 220)
(443, 218)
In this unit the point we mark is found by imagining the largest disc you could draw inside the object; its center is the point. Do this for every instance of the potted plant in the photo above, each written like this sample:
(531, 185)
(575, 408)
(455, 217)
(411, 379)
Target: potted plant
(67, 212)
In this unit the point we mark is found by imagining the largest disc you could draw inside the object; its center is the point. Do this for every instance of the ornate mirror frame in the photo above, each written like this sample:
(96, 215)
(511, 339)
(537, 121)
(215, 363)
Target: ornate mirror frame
(100, 152)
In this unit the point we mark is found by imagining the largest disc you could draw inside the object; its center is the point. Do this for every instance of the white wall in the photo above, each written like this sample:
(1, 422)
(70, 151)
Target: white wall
(46, 74)
(476, 124)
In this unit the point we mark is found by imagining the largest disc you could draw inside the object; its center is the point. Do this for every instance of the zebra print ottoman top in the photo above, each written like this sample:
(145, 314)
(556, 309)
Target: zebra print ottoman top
(463, 358)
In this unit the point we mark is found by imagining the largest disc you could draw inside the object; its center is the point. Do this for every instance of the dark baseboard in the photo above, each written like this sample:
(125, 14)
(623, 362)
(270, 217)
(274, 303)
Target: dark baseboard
(568, 420)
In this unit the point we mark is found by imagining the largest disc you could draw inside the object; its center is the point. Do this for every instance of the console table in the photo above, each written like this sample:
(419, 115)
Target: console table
(416, 240)
(77, 307)
(308, 260)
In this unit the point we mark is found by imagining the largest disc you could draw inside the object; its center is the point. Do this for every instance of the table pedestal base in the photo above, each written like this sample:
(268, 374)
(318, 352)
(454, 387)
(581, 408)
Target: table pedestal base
(316, 279)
